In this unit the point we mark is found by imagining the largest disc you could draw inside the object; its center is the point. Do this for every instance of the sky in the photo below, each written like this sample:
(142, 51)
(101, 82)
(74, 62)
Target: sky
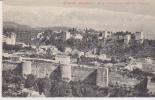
(114, 15)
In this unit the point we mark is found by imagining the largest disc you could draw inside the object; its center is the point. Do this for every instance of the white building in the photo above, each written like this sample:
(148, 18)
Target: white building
(148, 60)
(139, 36)
(65, 66)
(105, 35)
(40, 51)
(39, 35)
(81, 53)
(32, 93)
(33, 46)
(102, 77)
(102, 57)
(90, 55)
(26, 68)
(54, 50)
(63, 59)
(78, 36)
(134, 65)
(67, 35)
(127, 38)
(10, 40)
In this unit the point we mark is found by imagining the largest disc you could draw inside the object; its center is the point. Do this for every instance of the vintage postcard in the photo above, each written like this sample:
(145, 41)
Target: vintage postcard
(78, 48)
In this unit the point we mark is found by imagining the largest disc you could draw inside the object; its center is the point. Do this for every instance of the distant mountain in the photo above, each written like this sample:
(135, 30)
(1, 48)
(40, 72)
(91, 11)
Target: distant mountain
(56, 28)
(13, 25)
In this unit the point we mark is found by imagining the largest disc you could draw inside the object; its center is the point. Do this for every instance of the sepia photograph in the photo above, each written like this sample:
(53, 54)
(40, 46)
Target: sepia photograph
(78, 48)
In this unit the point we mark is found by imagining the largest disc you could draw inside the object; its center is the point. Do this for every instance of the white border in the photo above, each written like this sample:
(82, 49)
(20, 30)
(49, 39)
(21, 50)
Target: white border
(1, 26)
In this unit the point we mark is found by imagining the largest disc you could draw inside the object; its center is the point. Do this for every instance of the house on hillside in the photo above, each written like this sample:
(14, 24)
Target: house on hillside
(105, 35)
(139, 36)
(77, 36)
(134, 65)
(10, 39)
(127, 38)
(67, 35)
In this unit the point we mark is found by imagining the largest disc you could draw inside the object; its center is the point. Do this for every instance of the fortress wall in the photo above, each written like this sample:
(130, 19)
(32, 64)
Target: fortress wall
(80, 73)
(116, 78)
(101, 77)
(66, 72)
(26, 68)
(9, 65)
(38, 68)
(42, 69)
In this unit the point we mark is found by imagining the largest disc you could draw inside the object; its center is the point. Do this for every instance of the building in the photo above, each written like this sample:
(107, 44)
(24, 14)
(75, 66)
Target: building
(63, 59)
(65, 66)
(67, 35)
(127, 39)
(139, 36)
(40, 51)
(150, 85)
(54, 50)
(102, 57)
(148, 60)
(32, 93)
(81, 54)
(33, 46)
(26, 68)
(102, 77)
(105, 35)
(115, 37)
(134, 65)
(40, 35)
(78, 36)
(10, 39)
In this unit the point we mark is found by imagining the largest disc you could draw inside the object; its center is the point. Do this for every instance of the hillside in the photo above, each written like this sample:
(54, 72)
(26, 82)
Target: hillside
(15, 26)
(19, 27)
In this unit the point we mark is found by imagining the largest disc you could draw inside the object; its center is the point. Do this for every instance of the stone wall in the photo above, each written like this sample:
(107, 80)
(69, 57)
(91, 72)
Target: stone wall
(41, 69)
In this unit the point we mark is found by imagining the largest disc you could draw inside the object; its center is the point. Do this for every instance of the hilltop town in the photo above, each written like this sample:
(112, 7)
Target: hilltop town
(77, 62)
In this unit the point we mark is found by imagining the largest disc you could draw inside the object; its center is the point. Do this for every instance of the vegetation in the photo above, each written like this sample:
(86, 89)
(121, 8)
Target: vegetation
(11, 84)
(59, 88)
(153, 79)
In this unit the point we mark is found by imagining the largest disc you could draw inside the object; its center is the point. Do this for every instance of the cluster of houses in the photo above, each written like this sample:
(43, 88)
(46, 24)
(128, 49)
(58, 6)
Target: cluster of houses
(145, 64)
(115, 36)
(126, 36)
(10, 38)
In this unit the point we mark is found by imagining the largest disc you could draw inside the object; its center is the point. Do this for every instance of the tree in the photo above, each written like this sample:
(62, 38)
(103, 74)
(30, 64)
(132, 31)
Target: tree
(44, 86)
(153, 79)
(142, 86)
(88, 91)
(61, 89)
(76, 88)
(30, 81)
